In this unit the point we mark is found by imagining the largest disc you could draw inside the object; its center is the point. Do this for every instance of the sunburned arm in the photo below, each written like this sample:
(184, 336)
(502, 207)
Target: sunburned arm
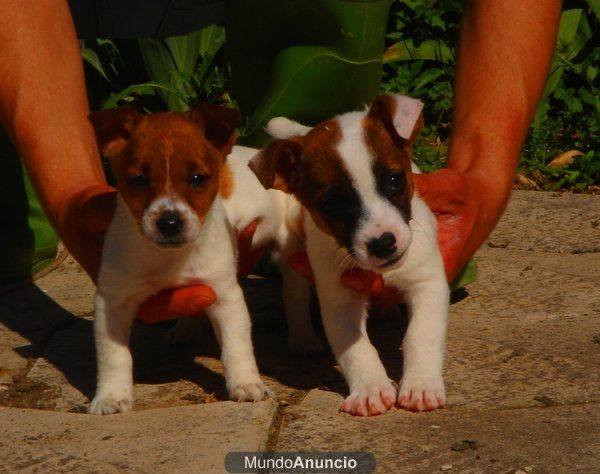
(504, 55)
(43, 104)
(43, 107)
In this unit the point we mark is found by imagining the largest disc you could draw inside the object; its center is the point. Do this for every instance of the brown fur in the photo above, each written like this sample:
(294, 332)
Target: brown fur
(226, 182)
(389, 150)
(168, 149)
(310, 167)
(305, 166)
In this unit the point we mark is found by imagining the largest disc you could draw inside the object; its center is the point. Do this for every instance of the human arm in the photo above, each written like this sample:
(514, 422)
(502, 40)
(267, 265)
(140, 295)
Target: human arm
(43, 107)
(505, 51)
(504, 54)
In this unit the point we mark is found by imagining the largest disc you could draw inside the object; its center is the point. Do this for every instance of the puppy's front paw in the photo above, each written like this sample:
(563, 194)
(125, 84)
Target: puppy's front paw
(306, 345)
(111, 402)
(373, 399)
(250, 392)
(421, 393)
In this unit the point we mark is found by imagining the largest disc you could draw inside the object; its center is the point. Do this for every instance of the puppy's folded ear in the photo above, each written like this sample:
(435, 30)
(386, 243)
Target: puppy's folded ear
(278, 165)
(219, 124)
(113, 128)
(400, 115)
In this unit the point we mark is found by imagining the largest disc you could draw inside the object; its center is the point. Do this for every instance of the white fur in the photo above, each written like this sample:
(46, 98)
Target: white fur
(421, 279)
(169, 203)
(419, 276)
(282, 127)
(280, 226)
(382, 216)
(134, 268)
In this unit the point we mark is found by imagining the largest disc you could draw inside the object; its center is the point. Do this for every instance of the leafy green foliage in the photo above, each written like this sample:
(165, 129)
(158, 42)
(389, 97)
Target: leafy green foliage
(568, 116)
(420, 61)
(160, 74)
(187, 64)
(584, 172)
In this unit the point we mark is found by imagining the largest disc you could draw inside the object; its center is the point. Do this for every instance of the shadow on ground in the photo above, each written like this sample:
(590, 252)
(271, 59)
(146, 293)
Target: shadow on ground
(61, 349)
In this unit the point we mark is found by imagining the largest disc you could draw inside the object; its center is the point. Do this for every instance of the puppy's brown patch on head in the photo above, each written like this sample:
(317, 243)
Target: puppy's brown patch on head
(322, 168)
(226, 182)
(392, 154)
(194, 164)
(173, 154)
(311, 168)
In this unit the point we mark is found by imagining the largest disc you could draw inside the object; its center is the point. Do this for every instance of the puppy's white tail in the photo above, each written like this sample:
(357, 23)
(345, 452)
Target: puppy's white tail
(282, 127)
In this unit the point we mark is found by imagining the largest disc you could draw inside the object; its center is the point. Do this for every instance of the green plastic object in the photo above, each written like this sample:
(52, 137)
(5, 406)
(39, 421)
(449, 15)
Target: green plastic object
(304, 59)
(469, 274)
(27, 241)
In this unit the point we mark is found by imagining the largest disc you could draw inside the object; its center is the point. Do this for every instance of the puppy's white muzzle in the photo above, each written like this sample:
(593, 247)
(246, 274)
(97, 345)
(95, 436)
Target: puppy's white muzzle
(170, 222)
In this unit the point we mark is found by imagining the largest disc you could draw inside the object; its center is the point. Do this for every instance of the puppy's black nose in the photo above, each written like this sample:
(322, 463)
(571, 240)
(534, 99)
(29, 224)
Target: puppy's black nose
(383, 246)
(169, 223)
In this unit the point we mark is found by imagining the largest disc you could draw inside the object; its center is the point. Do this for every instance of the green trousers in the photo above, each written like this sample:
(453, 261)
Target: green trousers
(27, 241)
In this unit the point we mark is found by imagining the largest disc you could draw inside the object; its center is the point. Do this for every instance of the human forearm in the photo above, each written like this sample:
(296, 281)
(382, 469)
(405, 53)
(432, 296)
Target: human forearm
(43, 102)
(505, 52)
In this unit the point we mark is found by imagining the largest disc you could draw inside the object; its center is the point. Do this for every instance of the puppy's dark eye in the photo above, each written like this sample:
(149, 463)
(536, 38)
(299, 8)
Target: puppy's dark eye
(140, 182)
(394, 183)
(198, 180)
(332, 204)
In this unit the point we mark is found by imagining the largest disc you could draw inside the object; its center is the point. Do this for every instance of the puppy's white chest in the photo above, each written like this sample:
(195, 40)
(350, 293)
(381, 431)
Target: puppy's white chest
(132, 265)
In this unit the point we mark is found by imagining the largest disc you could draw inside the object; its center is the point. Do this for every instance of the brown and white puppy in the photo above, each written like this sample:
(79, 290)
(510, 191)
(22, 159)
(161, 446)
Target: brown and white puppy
(352, 174)
(170, 229)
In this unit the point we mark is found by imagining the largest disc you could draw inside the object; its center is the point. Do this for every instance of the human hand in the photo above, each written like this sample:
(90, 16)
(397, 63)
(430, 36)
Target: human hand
(358, 279)
(454, 199)
(84, 219)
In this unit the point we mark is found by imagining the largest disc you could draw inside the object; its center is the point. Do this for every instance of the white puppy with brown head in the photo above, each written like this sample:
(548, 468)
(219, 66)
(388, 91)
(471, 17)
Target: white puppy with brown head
(352, 174)
(170, 229)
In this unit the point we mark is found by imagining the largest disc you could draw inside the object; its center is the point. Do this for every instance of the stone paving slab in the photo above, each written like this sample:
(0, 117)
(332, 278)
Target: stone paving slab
(522, 370)
(558, 440)
(550, 222)
(11, 362)
(70, 287)
(189, 439)
(509, 342)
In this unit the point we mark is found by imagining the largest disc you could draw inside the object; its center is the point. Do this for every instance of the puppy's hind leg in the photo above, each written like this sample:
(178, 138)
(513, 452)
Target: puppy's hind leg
(296, 300)
(231, 322)
(112, 329)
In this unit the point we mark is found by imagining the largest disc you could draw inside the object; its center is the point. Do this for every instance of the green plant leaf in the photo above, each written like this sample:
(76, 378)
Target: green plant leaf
(91, 57)
(212, 39)
(427, 77)
(165, 59)
(175, 61)
(429, 50)
(595, 6)
(147, 88)
(556, 74)
(468, 274)
(321, 60)
(569, 22)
